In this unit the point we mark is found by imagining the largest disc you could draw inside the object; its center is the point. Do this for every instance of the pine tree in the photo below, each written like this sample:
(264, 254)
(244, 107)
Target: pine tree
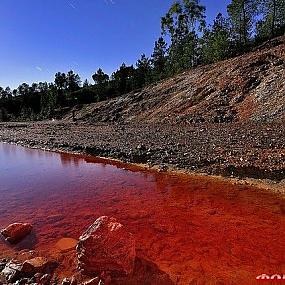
(60, 80)
(86, 83)
(158, 59)
(142, 74)
(273, 21)
(100, 77)
(101, 80)
(242, 15)
(216, 41)
(73, 81)
(123, 79)
(181, 22)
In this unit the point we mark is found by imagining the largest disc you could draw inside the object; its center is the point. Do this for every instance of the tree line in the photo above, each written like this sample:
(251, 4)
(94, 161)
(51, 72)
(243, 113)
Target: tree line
(186, 42)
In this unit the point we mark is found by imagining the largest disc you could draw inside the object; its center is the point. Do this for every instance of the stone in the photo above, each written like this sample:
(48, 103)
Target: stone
(3, 280)
(24, 255)
(66, 244)
(22, 281)
(2, 265)
(106, 246)
(94, 281)
(45, 279)
(66, 281)
(73, 281)
(38, 265)
(37, 277)
(12, 271)
(14, 233)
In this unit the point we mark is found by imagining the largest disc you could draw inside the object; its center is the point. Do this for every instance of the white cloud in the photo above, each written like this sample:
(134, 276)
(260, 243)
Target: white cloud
(39, 68)
(71, 5)
(110, 1)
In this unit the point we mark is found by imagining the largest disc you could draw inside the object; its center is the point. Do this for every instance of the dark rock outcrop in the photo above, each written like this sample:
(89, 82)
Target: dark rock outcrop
(37, 270)
(11, 272)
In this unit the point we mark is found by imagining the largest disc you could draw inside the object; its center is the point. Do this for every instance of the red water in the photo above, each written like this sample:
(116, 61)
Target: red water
(192, 228)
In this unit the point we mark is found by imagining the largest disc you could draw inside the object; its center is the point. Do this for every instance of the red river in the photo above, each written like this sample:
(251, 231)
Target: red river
(198, 230)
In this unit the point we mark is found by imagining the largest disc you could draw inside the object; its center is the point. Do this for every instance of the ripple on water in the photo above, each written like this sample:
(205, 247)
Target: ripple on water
(191, 228)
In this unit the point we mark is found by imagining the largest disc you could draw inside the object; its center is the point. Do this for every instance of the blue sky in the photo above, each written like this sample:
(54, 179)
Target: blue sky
(41, 37)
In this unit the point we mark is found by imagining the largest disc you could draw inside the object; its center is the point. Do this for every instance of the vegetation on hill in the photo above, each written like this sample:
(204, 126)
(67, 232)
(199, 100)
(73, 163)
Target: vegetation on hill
(186, 42)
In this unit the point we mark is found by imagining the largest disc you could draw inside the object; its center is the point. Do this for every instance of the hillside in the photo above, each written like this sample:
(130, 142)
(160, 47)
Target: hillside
(175, 123)
(250, 87)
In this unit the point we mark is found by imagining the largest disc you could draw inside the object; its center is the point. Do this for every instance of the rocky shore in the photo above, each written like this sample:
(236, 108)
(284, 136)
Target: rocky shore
(231, 150)
(105, 254)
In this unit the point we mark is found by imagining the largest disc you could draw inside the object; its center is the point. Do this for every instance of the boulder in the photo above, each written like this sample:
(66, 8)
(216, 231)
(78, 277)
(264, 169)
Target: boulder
(12, 271)
(24, 255)
(106, 246)
(38, 265)
(14, 233)
(35, 268)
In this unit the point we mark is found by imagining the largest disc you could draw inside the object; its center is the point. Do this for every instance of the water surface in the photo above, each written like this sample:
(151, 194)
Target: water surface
(192, 228)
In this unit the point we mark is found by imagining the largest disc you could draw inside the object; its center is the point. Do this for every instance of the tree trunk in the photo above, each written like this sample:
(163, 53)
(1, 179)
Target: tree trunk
(273, 19)
(244, 22)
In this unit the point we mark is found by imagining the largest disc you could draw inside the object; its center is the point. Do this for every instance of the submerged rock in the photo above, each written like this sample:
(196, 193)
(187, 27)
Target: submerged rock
(106, 246)
(66, 244)
(16, 232)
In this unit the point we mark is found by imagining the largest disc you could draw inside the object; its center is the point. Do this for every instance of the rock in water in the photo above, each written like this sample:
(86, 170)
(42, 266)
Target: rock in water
(14, 233)
(38, 265)
(106, 246)
(66, 244)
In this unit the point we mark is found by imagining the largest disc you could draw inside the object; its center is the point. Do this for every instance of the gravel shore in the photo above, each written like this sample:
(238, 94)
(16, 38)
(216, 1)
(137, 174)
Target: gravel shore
(243, 151)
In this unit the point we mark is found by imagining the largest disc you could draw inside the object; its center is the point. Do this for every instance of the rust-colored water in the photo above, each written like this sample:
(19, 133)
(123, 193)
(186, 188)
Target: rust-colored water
(192, 228)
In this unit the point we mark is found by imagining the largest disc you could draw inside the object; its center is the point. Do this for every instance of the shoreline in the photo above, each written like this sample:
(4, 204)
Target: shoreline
(245, 153)
(275, 187)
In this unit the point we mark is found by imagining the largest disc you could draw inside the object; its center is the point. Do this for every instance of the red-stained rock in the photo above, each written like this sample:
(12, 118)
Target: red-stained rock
(14, 233)
(106, 246)
(38, 265)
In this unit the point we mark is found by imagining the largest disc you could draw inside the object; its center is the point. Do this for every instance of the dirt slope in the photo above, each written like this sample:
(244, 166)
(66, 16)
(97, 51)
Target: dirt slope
(246, 88)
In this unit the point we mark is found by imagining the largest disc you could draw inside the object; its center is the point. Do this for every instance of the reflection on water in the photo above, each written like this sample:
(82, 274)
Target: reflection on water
(192, 228)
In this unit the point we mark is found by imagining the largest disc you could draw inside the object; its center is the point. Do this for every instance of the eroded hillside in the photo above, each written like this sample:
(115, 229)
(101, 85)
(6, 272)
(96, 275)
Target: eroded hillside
(246, 88)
